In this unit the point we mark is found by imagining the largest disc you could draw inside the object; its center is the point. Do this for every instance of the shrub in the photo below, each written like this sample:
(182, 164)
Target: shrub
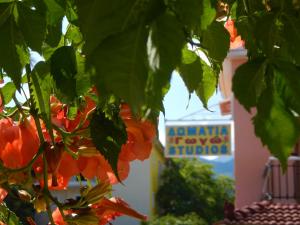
(191, 186)
(188, 219)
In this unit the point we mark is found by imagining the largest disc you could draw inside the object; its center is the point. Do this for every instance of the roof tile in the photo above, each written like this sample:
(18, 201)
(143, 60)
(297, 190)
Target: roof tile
(265, 213)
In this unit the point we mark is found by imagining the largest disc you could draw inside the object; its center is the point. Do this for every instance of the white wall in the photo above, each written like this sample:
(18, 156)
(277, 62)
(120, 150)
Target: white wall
(135, 191)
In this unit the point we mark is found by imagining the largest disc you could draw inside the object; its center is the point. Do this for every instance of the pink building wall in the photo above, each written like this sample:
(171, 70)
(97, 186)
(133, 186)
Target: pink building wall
(250, 156)
(250, 159)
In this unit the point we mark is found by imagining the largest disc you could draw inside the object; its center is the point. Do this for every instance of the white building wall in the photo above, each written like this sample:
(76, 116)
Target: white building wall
(136, 191)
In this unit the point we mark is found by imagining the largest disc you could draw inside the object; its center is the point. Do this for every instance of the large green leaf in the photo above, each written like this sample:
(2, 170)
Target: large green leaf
(249, 82)
(208, 14)
(198, 76)
(42, 86)
(14, 54)
(276, 126)
(165, 42)
(207, 85)
(246, 29)
(216, 40)
(74, 35)
(99, 19)
(287, 83)
(189, 13)
(7, 92)
(292, 28)
(32, 25)
(55, 14)
(64, 69)
(108, 136)
(191, 72)
(83, 77)
(121, 66)
(71, 12)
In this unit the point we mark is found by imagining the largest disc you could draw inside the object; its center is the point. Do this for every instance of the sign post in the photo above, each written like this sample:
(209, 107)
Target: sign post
(203, 139)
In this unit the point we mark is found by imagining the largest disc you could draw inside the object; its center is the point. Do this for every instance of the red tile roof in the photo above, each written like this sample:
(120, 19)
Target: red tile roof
(265, 213)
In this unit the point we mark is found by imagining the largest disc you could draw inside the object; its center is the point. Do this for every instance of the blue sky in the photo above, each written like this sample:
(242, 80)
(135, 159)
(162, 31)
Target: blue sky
(179, 106)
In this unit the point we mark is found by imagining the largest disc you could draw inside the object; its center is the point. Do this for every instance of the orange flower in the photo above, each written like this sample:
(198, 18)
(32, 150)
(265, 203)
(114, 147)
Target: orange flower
(18, 143)
(30, 140)
(61, 167)
(98, 166)
(140, 136)
(57, 217)
(3, 194)
(108, 209)
(235, 39)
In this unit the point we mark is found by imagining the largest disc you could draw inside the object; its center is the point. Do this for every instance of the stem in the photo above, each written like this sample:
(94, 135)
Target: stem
(19, 106)
(246, 6)
(42, 140)
(46, 189)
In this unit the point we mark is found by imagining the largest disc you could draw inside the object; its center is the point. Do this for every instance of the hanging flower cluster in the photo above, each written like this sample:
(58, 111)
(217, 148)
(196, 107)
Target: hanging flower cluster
(47, 156)
(235, 39)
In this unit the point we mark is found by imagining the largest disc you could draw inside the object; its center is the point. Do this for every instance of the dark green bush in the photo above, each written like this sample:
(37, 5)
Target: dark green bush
(188, 219)
(191, 186)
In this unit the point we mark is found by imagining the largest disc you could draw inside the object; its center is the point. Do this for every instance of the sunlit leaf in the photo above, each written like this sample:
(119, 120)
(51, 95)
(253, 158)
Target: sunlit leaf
(276, 126)
(121, 66)
(8, 92)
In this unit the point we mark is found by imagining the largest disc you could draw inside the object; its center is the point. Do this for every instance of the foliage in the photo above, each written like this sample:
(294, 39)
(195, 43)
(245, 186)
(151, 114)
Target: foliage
(190, 186)
(268, 81)
(117, 52)
(188, 219)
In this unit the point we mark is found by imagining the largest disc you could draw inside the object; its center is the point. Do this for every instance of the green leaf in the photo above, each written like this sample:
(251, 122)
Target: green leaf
(189, 13)
(188, 56)
(7, 216)
(249, 82)
(121, 66)
(208, 15)
(74, 35)
(99, 19)
(47, 50)
(41, 86)
(287, 83)
(191, 73)
(83, 77)
(71, 12)
(292, 28)
(30, 20)
(266, 32)
(64, 69)
(165, 42)
(55, 14)
(108, 136)
(7, 92)
(54, 34)
(216, 40)
(198, 76)
(5, 10)
(276, 126)
(14, 54)
(207, 85)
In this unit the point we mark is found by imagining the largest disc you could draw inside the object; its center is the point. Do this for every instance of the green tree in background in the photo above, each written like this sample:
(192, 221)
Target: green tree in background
(189, 186)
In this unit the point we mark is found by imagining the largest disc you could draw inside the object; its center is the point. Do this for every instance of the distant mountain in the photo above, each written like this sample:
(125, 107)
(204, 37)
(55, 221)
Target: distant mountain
(222, 166)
